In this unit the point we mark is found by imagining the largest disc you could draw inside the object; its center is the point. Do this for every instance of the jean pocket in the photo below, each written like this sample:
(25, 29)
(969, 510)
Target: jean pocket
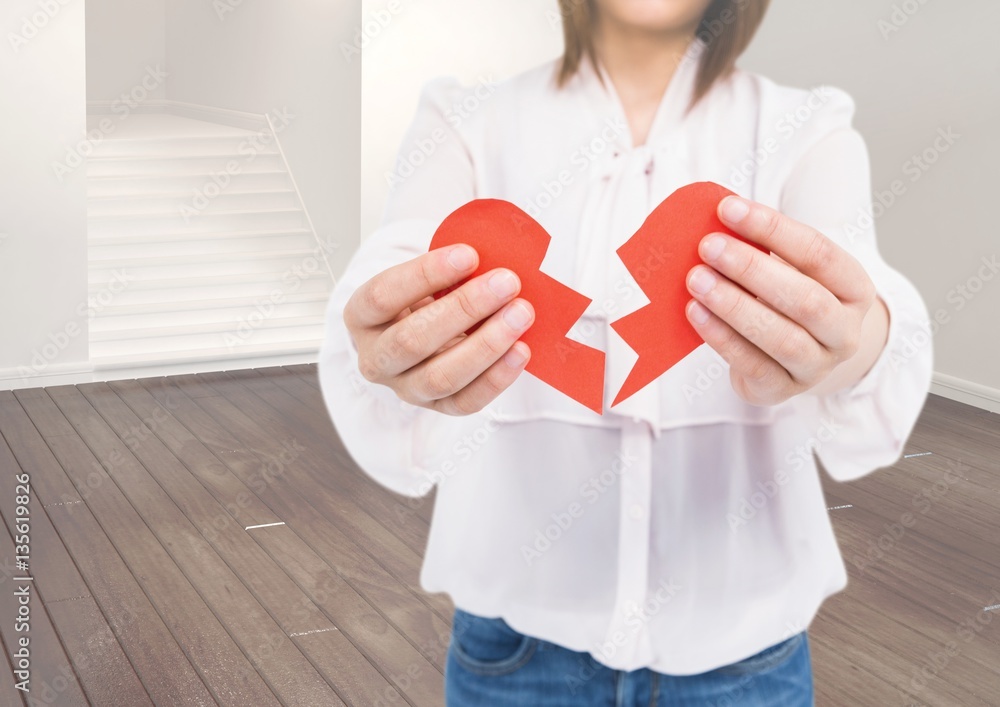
(767, 659)
(489, 646)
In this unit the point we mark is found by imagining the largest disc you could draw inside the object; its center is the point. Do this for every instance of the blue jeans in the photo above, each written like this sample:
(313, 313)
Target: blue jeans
(489, 664)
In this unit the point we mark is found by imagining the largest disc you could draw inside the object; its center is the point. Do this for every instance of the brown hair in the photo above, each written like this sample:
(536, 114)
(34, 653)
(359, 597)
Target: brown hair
(726, 28)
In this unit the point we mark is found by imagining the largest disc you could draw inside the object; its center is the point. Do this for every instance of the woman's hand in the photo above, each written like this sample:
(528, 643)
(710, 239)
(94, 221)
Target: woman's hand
(417, 345)
(784, 323)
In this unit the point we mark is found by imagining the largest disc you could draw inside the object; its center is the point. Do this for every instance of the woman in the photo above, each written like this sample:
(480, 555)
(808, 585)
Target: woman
(673, 549)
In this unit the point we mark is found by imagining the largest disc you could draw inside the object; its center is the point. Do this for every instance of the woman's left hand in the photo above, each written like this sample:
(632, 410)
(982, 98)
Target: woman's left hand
(813, 299)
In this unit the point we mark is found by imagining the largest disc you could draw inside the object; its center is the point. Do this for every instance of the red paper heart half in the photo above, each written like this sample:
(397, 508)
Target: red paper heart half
(506, 236)
(659, 256)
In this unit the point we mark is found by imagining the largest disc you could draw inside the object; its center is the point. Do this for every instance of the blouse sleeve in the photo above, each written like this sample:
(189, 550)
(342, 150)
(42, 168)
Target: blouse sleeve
(829, 188)
(391, 440)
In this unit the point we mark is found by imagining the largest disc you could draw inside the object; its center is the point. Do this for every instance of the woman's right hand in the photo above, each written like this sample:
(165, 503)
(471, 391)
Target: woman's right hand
(417, 345)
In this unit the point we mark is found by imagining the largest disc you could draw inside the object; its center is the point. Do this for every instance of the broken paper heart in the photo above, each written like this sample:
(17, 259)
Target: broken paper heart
(506, 236)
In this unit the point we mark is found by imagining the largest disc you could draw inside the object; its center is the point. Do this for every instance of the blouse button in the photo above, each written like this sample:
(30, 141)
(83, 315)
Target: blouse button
(635, 511)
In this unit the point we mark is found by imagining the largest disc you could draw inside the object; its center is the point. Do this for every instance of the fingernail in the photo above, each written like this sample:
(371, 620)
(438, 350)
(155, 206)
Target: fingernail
(734, 209)
(698, 312)
(702, 281)
(503, 283)
(516, 316)
(514, 357)
(713, 246)
(462, 257)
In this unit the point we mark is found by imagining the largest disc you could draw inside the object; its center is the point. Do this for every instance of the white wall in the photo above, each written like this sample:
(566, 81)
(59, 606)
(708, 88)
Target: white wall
(43, 229)
(939, 70)
(124, 37)
(912, 75)
(266, 57)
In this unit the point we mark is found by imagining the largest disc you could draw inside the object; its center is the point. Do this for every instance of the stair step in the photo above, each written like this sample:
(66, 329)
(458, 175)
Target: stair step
(143, 216)
(209, 222)
(259, 143)
(206, 200)
(155, 259)
(181, 236)
(169, 165)
(278, 265)
(206, 245)
(133, 283)
(156, 184)
(252, 321)
(209, 312)
(178, 295)
(210, 304)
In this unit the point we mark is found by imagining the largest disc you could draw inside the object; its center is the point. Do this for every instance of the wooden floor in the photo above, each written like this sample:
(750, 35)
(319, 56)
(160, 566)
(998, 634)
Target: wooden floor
(201, 540)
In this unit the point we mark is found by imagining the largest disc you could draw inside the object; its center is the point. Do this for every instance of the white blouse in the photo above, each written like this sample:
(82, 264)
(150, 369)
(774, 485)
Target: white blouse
(683, 529)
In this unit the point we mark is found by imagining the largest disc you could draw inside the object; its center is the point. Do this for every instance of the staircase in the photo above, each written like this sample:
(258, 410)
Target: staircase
(199, 247)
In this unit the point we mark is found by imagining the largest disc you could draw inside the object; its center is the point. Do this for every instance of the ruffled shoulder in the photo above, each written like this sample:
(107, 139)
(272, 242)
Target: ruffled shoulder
(790, 122)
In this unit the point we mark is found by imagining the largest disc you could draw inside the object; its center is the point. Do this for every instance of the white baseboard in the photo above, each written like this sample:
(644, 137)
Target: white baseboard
(224, 116)
(967, 392)
(53, 374)
(75, 374)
